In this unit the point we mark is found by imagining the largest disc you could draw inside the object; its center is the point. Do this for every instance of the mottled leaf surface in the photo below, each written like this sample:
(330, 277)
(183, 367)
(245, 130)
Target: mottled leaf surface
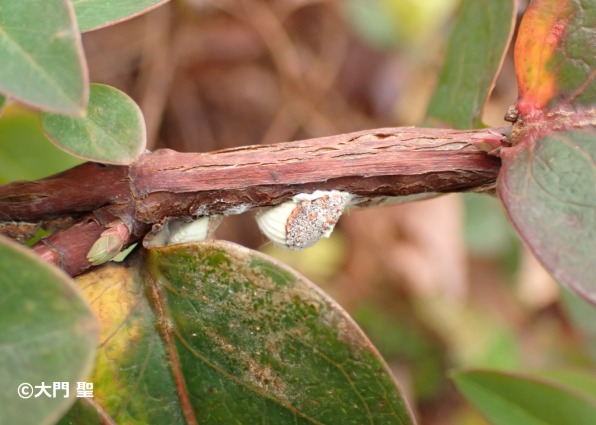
(548, 188)
(474, 56)
(94, 14)
(112, 132)
(508, 399)
(47, 334)
(132, 380)
(214, 333)
(555, 54)
(43, 64)
(547, 182)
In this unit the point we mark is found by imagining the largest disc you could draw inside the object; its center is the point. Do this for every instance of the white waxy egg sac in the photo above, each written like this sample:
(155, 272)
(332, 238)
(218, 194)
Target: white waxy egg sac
(304, 220)
(197, 230)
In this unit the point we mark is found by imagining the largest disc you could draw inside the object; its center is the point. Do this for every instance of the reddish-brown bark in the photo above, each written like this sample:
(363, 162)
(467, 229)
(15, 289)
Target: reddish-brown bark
(167, 184)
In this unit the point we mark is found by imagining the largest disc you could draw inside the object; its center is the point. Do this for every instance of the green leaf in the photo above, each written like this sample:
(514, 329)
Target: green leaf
(113, 132)
(94, 14)
(487, 231)
(555, 55)
(386, 24)
(475, 53)
(25, 152)
(583, 381)
(508, 399)
(215, 333)
(547, 187)
(43, 64)
(84, 412)
(47, 334)
(583, 316)
(3, 100)
(122, 255)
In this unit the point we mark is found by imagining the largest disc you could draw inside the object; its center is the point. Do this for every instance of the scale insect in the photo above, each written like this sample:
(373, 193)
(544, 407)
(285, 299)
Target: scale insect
(301, 222)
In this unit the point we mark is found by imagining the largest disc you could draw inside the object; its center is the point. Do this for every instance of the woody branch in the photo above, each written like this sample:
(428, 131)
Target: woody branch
(167, 184)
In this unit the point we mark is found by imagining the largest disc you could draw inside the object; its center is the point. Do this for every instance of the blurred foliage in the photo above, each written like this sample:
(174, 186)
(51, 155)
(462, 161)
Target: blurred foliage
(398, 337)
(488, 233)
(25, 152)
(389, 23)
(464, 329)
(578, 379)
(471, 63)
(318, 263)
(583, 316)
(520, 399)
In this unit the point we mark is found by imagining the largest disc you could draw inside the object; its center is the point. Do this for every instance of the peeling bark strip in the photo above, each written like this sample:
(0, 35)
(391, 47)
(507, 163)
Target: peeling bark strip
(373, 153)
(384, 162)
(166, 184)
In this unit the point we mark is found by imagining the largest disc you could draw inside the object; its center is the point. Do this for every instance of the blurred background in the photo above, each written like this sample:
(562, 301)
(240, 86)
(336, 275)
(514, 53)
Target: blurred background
(438, 284)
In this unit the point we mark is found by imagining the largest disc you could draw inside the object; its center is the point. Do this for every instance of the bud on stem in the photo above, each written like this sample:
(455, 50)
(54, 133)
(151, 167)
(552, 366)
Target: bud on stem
(109, 244)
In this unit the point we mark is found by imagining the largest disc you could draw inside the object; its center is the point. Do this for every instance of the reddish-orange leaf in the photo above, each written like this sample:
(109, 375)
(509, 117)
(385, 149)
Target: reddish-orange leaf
(539, 37)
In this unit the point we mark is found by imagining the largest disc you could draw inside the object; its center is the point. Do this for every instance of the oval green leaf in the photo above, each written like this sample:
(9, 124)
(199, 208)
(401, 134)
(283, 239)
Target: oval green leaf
(547, 187)
(214, 333)
(475, 53)
(47, 334)
(508, 399)
(95, 14)
(112, 132)
(555, 55)
(43, 64)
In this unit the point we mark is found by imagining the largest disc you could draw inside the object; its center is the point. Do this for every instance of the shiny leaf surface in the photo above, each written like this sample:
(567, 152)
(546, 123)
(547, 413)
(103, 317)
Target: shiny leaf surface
(215, 333)
(508, 399)
(547, 187)
(475, 52)
(47, 334)
(113, 131)
(94, 14)
(43, 64)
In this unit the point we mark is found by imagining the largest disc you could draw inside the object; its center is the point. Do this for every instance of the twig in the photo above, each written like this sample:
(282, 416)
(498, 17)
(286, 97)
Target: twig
(168, 184)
